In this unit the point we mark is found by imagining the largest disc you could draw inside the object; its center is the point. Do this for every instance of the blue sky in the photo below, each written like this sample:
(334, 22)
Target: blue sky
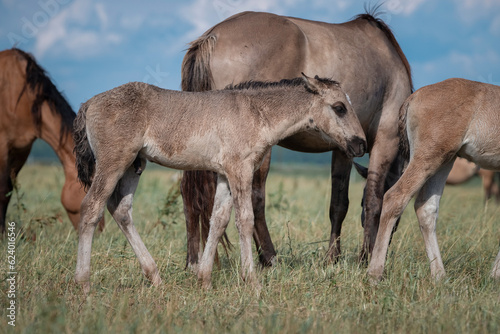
(89, 46)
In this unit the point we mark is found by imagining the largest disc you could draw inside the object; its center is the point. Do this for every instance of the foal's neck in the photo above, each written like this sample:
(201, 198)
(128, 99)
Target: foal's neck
(285, 116)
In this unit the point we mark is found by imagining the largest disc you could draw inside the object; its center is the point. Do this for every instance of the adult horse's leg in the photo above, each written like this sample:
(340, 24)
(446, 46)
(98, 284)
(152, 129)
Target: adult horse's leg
(382, 155)
(427, 210)
(339, 202)
(92, 211)
(198, 197)
(5, 189)
(218, 223)
(263, 243)
(192, 216)
(10, 165)
(120, 207)
(395, 201)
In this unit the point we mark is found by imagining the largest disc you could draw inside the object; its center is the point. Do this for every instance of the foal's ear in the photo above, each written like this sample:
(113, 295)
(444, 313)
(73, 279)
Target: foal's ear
(310, 84)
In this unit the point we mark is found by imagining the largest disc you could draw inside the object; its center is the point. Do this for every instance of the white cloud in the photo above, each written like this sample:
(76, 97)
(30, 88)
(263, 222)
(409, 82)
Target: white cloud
(202, 14)
(73, 31)
(405, 7)
(473, 66)
(495, 26)
(471, 11)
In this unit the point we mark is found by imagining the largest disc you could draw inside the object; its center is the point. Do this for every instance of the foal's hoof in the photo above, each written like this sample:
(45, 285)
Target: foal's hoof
(374, 277)
(193, 267)
(85, 285)
(205, 284)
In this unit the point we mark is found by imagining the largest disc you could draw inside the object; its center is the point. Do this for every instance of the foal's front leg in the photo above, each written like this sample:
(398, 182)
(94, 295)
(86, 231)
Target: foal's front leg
(241, 189)
(221, 214)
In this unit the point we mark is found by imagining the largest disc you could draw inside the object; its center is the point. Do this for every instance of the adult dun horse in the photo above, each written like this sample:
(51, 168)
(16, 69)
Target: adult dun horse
(227, 131)
(362, 54)
(31, 107)
(453, 118)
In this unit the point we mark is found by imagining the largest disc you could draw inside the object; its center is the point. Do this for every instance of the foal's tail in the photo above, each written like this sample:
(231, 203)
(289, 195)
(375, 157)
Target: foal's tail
(198, 187)
(85, 161)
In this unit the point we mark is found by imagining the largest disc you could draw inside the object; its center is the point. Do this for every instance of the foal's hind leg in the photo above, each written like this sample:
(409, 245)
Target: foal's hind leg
(395, 201)
(120, 207)
(427, 210)
(91, 213)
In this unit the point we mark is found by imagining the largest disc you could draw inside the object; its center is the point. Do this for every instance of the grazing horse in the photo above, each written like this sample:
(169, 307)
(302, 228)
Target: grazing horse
(453, 118)
(31, 107)
(227, 131)
(464, 170)
(362, 54)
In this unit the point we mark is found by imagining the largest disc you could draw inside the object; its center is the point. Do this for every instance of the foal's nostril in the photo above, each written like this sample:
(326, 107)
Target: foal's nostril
(357, 147)
(362, 147)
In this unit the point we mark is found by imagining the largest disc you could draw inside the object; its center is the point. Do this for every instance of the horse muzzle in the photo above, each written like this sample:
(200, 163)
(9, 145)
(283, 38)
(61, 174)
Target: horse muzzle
(356, 147)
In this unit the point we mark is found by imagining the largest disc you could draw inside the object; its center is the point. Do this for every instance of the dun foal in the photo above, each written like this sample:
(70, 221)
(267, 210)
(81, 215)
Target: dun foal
(439, 122)
(227, 131)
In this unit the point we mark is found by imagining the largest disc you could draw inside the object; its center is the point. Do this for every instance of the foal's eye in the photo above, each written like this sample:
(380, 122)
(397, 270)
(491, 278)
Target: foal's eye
(339, 108)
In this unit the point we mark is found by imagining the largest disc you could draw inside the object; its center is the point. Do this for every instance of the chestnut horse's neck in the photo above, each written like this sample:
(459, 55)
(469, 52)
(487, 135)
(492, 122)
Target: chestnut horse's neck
(60, 141)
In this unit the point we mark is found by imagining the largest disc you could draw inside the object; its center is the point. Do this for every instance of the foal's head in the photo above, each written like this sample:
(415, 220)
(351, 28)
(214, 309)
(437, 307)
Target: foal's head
(335, 119)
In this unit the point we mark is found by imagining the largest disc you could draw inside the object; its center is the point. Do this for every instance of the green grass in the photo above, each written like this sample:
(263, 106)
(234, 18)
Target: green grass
(299, 295)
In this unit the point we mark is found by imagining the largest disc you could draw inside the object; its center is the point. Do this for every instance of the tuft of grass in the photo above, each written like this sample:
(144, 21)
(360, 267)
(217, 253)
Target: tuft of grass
(300, 294)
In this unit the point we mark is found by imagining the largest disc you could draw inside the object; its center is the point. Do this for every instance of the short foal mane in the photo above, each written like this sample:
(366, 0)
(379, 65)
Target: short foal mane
(45, 91)
(295, 82)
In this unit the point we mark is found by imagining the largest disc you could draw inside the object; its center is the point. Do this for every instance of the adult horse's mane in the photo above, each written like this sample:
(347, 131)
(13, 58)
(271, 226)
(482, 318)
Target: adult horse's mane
(277, 84)
(45, 91)
(371, 16)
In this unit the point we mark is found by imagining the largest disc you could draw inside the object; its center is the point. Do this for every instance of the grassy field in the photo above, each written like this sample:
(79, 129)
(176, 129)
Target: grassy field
(299, 295)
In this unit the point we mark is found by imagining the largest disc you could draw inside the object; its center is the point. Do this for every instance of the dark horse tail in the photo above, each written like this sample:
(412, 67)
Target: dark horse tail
(198, 187)
(85, 161)
(404, 144)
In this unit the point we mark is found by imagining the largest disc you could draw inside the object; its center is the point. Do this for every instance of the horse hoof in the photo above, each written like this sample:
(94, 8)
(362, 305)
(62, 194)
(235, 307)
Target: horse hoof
(85, 286)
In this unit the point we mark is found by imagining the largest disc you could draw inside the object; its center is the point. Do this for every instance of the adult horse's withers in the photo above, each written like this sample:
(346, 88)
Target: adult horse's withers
(362, 54)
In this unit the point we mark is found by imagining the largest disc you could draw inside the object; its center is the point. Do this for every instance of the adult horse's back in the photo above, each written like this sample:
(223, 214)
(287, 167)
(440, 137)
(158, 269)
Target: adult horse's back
(31, 107)
(362, 54)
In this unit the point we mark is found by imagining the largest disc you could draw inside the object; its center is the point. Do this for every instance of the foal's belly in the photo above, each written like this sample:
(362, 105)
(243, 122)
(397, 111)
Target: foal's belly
(308, 142)
(481, 145)
(485, 157)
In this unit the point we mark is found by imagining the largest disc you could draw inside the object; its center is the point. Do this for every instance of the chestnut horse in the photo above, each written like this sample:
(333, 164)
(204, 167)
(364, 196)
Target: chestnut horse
(31, 107)
(362, 54)
(453, 118)
(227, 131)
(464, 170)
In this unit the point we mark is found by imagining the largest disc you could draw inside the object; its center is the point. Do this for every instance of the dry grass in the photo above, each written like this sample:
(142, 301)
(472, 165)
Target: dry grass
(299, 295)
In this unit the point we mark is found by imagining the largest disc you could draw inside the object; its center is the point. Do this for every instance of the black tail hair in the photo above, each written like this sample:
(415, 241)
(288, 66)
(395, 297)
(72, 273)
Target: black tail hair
(85, 160)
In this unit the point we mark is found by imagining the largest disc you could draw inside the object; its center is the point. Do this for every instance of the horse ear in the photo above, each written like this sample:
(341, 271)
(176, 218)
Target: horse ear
(310, 84)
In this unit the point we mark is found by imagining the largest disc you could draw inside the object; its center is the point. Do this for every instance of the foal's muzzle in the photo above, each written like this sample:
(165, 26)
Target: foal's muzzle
(356, 147)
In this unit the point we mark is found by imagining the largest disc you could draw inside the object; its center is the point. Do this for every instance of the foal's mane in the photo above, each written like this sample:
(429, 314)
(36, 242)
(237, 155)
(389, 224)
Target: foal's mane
(45, 91)
(295, 82)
